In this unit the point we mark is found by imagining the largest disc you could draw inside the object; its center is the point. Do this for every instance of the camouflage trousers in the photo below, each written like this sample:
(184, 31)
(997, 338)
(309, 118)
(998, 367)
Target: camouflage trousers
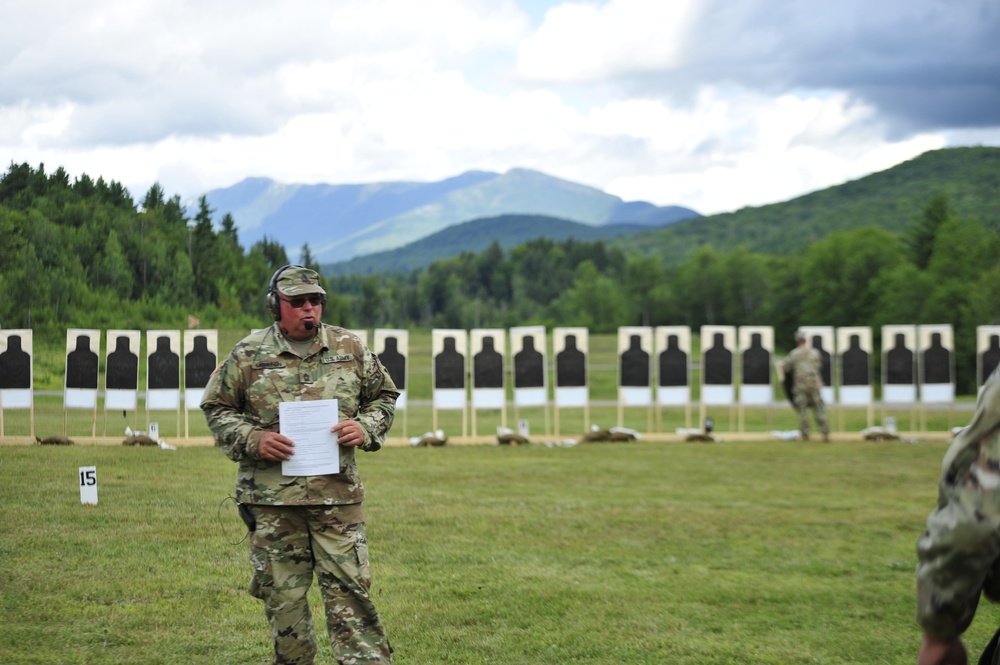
(810, 399)
(289, 546)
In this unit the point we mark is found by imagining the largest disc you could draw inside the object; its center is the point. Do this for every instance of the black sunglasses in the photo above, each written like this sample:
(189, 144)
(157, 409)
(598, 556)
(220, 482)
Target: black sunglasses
(299, 303)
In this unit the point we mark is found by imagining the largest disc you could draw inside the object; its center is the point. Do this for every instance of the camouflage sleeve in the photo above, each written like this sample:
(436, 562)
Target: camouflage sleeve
(961, 545)
(223, 405)
(378, 402)
(955, 554)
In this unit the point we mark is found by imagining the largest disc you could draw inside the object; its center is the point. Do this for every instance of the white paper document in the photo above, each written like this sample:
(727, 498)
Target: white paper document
(308, 425)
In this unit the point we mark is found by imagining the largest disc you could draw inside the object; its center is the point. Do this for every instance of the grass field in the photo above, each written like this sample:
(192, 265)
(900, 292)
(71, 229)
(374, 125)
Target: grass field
(736, 552)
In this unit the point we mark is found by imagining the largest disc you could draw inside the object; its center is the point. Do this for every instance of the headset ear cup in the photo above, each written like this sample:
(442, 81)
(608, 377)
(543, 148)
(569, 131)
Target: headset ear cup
(273, 306)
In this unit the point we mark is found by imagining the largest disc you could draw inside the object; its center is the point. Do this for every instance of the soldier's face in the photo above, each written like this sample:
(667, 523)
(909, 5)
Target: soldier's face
(297, 312)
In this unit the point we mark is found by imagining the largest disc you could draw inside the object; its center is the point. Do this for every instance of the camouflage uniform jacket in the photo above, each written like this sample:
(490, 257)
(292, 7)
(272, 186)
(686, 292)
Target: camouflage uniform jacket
(958, 552)
(804, 363)
(241, 403)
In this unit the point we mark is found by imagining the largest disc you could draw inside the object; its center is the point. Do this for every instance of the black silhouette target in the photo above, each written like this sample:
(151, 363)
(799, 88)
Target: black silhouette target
(634, 365)
(718, 363)
(164, 370)
(936, 361)
(449, 366)
(487, 366)
(756, 362)
(571, 365)
(855, 364)
(122, 371)
(673, 364)
(15, 366)
(199, 363)
(990, 358)
(899, 362)
(825, 370)
(394, 362)
(529, 365)
(82, 365)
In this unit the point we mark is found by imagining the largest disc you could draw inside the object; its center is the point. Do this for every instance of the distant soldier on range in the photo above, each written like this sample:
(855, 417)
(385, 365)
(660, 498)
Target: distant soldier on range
(802, 365)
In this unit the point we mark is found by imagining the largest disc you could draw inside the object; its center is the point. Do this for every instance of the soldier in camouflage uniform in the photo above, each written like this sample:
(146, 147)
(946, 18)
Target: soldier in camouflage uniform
(958, 554)
(305, 525)
(804, 363)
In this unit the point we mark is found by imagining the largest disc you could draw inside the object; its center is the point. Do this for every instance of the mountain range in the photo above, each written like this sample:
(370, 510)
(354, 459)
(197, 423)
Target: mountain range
(894, 199)
(402, 226)
(476, 236)
(340, 222)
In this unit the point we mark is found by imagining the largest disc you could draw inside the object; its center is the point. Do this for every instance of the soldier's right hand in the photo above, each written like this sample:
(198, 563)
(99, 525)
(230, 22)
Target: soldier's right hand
(938, 652)
(275, 447)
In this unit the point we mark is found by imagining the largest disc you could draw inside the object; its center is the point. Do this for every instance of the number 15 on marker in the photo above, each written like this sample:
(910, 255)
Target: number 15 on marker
(88, 485)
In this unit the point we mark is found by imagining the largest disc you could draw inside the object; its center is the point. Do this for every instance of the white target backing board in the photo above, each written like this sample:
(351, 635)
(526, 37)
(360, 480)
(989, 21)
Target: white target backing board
(718, 344)
(392, 346)
(163, 370)
(672, 348)
(450, 352)
(635, 362)
(987, 352)
(81, 378)
(854, 363)
(823, 339)
(936, 363)
(529, 365)
(488, 351)
(201, 357)
(571, 350)
(899, 376)
(17, 379)
(121, 370)
(756, 356)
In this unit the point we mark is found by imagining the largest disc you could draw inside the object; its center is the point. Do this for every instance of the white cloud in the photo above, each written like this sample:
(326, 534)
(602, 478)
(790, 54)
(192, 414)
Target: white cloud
(590, 42)
(692, 102)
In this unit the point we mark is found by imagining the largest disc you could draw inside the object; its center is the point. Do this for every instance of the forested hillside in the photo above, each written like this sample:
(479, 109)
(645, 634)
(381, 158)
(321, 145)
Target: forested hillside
(81, 253)
(969, 178)
(476, 236)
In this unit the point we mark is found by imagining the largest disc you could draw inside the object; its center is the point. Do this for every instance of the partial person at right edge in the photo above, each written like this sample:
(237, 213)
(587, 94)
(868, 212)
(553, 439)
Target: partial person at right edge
(959, 553)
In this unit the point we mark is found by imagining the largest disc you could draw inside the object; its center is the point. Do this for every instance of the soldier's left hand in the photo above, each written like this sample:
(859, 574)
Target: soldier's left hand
(349, 433)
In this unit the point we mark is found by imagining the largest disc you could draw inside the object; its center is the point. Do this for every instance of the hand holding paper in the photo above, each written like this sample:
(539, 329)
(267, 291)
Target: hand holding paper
(308, 425)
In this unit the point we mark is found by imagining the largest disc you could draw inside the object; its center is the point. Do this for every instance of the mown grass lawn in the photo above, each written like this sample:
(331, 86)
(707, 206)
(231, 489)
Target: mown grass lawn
(736, 552)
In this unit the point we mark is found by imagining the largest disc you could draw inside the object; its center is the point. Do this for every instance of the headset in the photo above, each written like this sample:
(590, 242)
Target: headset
(273, 305)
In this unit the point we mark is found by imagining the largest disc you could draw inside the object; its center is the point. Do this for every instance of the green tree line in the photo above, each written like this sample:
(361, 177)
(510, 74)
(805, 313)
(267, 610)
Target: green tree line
(83, 253)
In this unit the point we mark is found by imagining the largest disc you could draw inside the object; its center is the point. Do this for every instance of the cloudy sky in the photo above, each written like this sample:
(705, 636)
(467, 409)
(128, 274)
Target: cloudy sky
(710, 104)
